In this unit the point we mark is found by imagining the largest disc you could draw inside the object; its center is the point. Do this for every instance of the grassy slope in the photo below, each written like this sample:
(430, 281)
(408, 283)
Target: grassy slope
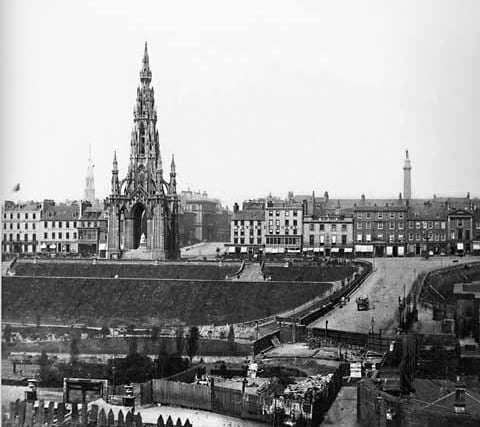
(94, 301)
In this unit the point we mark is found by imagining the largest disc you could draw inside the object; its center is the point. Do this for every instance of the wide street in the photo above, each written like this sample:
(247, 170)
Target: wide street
(383, 287)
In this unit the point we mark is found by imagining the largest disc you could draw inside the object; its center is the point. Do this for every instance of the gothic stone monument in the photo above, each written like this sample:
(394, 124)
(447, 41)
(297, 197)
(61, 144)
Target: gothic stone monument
(143, 207)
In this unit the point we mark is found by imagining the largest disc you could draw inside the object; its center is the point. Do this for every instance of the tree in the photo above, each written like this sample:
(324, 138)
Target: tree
(192, 342)
(105, 331)
(179, 340)
(7, 334)
(231, 340)
(74, 348)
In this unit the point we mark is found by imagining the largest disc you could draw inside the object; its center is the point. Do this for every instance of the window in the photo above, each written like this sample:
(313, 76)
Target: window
(26, 215)
(235, 240)
(259, 232)
(295, 213)
(418, 225)
(287, 213)
(26, 226)
(400, 237)
(18, 236)
(18, 215)
(380, 215)
(392, 215)
(369, 237)
(359, 237)
(344, 227)
(67, 224)
(442, 236)
(334, 240)
(11, 226)
(452, 235)
(380, 226)
(368, 225)
(437, 225)
(33, 226)
(359, 215)
(259, 240)
(334, 227)
(25, 237)
(277, 223)
(277, 213)
(311, 241)
(53, 235)
(322, 239)
(59, 235)
(322, 227)
(400, 215)
(400, 225)
(270, 213)
(430, 224)
(410, 236)
(45, 224)
(18, 226)
(34, 215)
(425, 224)
(392, 225)
(45, 236)
(270, 222)
(391, 238)
(242, 241)
(344, 239)
(417, 236)
(294, 222)
(435, 237)
(380, 237)
(4, 226)
(312, 226)
(359, 226)
(11, 216)
(251, 240)
(294, 231)
(59, 224)
(410, 225)
(368, 215)
(34, 237)
(11, 237)
(443, 225)
(459, 223)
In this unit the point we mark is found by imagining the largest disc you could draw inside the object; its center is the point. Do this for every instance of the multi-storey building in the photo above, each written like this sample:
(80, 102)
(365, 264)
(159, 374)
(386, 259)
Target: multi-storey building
(283, 227)
(460, 231)
(21, 227)
(476, 231)
(380, 230)
(211, 221)
(59, 232)
(328, 235)
(92, 231)
(427, 231)
(247, 235)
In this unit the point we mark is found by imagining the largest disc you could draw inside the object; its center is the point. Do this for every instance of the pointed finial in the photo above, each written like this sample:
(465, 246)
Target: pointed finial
(172, 165)
(115, 164)
(406, 152)
(145, 73)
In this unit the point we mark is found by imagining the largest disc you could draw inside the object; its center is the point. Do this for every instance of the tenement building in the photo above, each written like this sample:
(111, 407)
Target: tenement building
(380, 230)
(283, 227)
(143, 207)
(59, 234)
(247, 231)
(21, 227)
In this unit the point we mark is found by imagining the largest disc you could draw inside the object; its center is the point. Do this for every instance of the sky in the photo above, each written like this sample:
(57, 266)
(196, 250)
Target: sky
(253, 97)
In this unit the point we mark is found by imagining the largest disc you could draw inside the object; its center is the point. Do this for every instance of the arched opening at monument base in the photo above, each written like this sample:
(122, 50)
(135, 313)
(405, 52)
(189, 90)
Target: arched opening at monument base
(139, 224)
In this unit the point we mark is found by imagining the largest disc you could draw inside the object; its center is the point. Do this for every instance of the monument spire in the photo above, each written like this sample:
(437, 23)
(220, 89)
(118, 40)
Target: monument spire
(407, 180)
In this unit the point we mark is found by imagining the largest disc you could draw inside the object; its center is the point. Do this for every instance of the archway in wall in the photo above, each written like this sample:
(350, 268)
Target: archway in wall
(139, 224)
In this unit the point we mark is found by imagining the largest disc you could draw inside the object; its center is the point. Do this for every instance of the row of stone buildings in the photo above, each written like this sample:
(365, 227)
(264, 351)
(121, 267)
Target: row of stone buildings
(81, 227)
(309, 225)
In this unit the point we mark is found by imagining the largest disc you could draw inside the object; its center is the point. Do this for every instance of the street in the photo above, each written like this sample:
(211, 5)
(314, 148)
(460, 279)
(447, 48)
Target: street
(383, 287)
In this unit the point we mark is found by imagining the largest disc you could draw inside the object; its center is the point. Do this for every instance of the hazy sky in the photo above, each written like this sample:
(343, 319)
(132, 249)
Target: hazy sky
(252, 97)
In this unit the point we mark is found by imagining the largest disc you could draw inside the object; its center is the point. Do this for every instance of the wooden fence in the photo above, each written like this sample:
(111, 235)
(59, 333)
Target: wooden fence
(29, 414)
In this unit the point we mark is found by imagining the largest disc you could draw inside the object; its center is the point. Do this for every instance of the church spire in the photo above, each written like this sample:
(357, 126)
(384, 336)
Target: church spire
(90, 179)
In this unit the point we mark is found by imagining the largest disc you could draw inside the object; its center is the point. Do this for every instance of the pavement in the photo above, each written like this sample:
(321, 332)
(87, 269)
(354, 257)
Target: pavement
(391, 278)
(201, 250)
(343, 411)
